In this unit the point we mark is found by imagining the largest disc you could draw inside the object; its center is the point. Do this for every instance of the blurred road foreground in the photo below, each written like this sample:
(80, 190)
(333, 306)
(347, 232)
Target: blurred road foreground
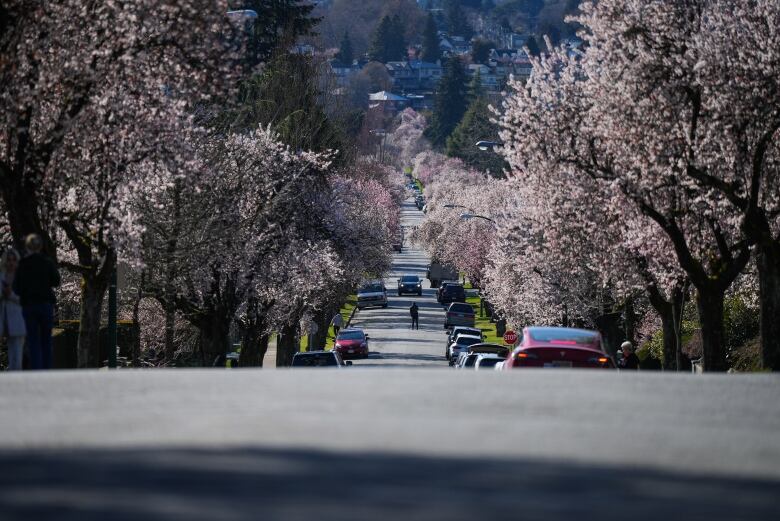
(364, 444)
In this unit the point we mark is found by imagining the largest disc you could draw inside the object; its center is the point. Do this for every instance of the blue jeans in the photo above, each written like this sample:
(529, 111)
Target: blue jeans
(39, 319)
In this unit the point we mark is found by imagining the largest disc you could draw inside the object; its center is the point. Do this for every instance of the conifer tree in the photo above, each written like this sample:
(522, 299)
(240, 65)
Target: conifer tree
(431, 52)
(449, 104)
(345, 54)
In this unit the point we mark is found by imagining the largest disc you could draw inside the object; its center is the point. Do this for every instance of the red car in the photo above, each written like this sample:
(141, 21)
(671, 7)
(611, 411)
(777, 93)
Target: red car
(559, 347)
(352, 343)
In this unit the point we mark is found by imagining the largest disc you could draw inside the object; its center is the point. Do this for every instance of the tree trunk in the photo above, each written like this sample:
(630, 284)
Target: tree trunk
(670, 312)
(322, 319)
(710, 306)
(287, 344)
(214, 339)
(254, 344)
(93, 290)
(170, 332)
(769, 291)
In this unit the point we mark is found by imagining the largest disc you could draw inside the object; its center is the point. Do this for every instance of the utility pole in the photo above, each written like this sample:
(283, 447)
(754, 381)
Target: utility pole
(112, 312)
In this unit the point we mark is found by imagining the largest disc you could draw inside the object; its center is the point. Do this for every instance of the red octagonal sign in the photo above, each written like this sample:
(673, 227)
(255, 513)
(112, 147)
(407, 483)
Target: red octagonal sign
(510, 337)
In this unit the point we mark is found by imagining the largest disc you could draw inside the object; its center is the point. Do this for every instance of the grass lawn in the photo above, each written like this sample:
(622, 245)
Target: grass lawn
(346, 312)
(483, 322)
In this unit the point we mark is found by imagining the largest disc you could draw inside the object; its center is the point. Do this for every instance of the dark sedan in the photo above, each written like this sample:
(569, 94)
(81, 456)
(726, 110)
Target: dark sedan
(409, 284)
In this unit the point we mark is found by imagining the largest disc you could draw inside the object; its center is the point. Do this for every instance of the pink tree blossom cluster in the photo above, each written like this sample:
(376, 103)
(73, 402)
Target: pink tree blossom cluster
(452, 189)
(406, 141)
(650, 161)
(89, 90)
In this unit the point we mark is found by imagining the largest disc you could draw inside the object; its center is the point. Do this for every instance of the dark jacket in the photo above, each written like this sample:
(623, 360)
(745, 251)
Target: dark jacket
(413, 310)
(630, 362)
(36, 278)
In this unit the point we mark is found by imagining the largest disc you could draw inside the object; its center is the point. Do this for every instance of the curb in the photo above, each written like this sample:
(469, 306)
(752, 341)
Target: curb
(351, 316)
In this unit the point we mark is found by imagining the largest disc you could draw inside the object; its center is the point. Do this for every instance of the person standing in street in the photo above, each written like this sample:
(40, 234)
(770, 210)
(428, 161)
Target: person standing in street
(35, 281)
(11, 317)
(337, 322)
(415, 313)
(629, 360)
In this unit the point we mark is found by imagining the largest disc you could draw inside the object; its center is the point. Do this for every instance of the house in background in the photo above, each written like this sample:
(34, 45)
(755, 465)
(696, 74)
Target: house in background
(387, 102)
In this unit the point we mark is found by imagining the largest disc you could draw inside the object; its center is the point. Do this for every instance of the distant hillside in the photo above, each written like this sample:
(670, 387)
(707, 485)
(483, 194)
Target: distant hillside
(359, 17)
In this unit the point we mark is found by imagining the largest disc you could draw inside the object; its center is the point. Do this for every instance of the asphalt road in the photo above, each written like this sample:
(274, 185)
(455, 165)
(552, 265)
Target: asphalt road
(392, 342)
(358, 444)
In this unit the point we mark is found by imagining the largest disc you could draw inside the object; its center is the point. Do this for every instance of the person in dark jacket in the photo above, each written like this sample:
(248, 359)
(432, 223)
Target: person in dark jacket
(413, 311)
(36, 278)
(629, 360)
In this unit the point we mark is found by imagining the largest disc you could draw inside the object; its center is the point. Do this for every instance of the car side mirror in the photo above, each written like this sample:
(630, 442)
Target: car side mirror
(348, 362)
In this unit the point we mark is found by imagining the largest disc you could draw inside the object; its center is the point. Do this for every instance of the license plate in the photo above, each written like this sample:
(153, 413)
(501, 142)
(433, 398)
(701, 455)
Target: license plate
(561, 363)
(350, 351)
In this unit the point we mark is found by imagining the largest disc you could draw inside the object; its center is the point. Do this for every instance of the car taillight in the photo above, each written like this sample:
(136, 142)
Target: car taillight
(526, 355)
(599, 360)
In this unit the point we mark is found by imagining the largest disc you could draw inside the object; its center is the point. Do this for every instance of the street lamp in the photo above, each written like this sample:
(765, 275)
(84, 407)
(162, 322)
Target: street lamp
(383, 134)
(467, 216)
(488, 145)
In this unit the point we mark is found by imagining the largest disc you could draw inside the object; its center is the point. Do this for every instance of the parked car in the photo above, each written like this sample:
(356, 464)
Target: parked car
(352, 343)
(438, 272)
(453, 333)
(487, 361)
(372, 293)
(459, 314)
(490, 349)
(466, 360)
(463, 340)
(409, 284)
(319, 359)
(443, 284)
(452, 293)
(559, 347)
(460, 345)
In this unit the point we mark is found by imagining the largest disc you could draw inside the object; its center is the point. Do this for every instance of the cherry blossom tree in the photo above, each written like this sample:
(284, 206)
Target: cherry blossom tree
(89, 90)
(626, 116)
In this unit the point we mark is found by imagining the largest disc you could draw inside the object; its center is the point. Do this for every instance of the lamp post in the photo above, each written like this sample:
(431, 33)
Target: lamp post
(486, 145)
(383, 134)
(467, 216)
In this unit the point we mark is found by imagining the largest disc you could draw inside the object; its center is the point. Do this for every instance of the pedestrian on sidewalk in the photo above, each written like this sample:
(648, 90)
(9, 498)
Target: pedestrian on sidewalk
(337, 322)
(36, 278)
(629, 360)
(415, 313)
(11, 317)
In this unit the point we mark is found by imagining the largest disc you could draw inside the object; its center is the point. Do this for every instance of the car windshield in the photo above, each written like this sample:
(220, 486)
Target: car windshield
(454, 289)
(409, 278)
(371, 288)
(563, 335)
(462, 308)
(351, 335)
(470, 361)
(467, 340)
(314, 360)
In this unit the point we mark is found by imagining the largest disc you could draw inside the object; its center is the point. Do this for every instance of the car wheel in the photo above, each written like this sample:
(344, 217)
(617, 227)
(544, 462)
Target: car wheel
(399, 293)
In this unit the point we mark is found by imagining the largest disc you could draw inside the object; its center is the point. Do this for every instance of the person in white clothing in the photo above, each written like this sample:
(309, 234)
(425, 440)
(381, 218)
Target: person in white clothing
(12, 325)
(337, 322)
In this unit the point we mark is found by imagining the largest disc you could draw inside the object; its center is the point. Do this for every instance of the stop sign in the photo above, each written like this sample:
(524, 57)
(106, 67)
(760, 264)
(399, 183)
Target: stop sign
(510, 337)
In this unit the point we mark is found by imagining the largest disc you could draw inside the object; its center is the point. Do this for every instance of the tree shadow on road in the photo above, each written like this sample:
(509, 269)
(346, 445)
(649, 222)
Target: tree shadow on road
(242, 484)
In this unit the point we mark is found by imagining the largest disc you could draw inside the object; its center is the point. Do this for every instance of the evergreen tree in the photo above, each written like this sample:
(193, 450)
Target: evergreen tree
(457, 25)
(475, 87)
(480, 50)
(476, 126)
(378, 51)
(396, 45)
(449, 104)
(430, 45)
(345, 54)
(278, 23)
(533, 47)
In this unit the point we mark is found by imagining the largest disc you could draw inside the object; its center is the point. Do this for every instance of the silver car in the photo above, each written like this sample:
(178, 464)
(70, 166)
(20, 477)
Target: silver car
(372, 293)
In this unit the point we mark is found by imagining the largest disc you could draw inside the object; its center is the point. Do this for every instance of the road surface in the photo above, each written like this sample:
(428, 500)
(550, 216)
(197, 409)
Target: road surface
(392, 342)
(394, 444)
